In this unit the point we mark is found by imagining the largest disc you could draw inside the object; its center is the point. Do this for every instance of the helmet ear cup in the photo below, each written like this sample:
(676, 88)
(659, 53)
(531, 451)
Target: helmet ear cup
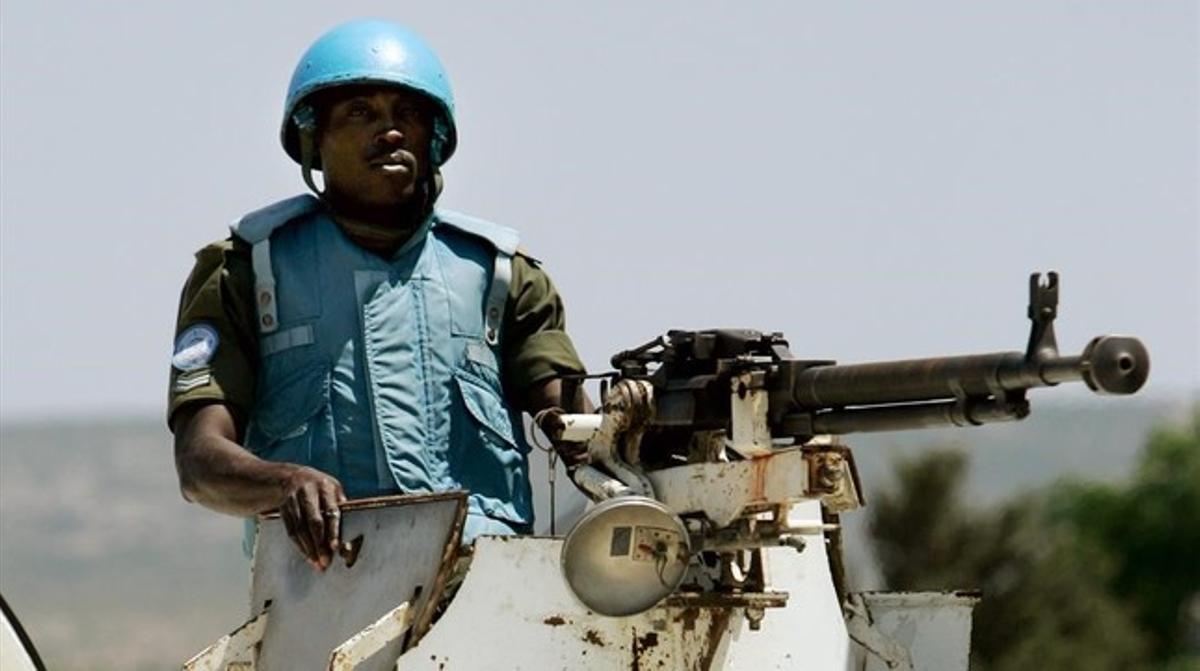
(305, 121)
(371, 52)
(438, 143)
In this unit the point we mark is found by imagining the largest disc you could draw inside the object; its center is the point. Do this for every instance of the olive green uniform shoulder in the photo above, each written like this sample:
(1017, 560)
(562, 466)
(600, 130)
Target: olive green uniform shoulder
(219, 295)
(529, 258)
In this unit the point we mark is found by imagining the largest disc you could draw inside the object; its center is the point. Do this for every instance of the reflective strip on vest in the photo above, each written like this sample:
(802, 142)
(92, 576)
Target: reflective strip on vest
(264, 286)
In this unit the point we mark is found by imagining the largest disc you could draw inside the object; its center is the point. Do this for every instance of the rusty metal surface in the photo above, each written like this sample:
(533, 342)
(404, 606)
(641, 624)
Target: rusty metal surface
(877, 647)
(424, 616)
(385, 502)
(728, 601)
(750, 434)
(932, 630)
(406, 542)
(723, 490)
(232, 650)
(516, 612)
(833, 476)
(371, 640)
(513, 624)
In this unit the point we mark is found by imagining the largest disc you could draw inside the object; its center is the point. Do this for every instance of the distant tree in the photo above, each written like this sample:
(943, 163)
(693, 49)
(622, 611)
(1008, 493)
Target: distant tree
(1044, 606)
(919, 526)
(1148, 530)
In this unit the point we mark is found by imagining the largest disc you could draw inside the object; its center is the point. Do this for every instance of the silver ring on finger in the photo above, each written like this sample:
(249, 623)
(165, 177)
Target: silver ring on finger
(332, 513)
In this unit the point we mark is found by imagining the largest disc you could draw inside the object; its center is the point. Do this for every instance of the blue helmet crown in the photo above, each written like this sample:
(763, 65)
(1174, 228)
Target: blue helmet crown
(370, 51)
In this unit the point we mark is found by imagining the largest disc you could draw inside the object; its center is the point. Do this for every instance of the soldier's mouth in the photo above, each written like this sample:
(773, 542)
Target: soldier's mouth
(399, 161)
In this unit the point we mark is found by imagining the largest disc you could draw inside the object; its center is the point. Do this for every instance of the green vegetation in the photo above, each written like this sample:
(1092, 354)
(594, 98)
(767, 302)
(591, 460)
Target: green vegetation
(1075, 575)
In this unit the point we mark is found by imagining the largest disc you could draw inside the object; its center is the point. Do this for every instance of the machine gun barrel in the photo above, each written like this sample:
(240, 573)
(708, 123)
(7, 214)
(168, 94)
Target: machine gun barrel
(692, 373)
(975, 389)
(1108, 365)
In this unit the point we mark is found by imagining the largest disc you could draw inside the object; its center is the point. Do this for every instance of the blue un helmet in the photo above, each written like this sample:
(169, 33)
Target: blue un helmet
(366, 51)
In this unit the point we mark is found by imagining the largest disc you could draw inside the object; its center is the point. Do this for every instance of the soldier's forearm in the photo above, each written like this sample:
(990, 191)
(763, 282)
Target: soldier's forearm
(218, 473)
(217, 476)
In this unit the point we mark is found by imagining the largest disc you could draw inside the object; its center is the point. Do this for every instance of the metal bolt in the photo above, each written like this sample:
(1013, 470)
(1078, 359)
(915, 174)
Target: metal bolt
(754, 616)
(796, 542)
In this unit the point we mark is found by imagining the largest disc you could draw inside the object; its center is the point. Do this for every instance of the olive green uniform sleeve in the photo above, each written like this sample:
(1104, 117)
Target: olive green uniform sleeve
(219, 293)
(535, 342)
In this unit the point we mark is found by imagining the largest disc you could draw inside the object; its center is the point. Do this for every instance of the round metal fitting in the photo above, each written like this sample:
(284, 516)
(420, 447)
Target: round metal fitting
(1115, 364)
(625, 555)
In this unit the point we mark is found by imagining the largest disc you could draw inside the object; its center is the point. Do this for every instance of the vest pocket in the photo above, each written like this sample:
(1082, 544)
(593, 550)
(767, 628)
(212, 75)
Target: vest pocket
(288, 415)
(484, 404)
(487, 458)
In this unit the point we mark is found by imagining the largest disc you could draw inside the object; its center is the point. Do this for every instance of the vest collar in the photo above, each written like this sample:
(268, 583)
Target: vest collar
(416, 239)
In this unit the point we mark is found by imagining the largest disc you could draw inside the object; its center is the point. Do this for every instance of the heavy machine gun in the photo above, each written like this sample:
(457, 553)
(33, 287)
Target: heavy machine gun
(691, 373)
(708, 438)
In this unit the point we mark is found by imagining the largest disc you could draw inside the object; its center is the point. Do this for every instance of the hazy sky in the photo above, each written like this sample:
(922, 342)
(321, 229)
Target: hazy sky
(875, 180)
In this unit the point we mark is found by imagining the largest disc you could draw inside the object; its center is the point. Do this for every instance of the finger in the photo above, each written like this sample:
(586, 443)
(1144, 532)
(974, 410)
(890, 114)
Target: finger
(292, 521)
(288, 523)
(310, 504)
(333, 521)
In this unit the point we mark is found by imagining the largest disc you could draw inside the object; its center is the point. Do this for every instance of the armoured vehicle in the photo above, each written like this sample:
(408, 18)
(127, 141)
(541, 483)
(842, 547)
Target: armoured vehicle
(718, 475)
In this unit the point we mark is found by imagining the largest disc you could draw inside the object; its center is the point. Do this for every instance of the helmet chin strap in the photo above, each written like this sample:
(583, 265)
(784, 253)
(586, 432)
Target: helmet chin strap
(305, 118)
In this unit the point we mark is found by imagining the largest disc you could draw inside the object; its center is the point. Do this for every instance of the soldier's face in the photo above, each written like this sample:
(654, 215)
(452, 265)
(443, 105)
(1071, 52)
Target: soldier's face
(374, 144)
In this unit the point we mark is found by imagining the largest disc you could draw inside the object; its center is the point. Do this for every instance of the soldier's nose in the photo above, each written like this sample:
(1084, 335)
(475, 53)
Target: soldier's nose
(391, 137)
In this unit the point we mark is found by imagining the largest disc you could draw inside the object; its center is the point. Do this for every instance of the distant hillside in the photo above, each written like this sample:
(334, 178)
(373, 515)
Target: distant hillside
(109, 568)
(103, 561)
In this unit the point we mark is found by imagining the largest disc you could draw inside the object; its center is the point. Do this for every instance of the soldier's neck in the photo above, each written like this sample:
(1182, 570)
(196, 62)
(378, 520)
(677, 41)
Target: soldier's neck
(379, 239)
(381, 232)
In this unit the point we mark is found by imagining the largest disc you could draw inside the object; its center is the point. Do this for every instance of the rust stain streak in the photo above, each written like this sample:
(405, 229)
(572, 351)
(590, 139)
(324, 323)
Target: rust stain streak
(758, 484)
(650, 640)
(716, 632)
(688, 617)
(592, 636)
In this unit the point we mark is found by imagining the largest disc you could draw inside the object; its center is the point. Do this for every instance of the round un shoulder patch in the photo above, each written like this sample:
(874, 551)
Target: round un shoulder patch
(195, 347)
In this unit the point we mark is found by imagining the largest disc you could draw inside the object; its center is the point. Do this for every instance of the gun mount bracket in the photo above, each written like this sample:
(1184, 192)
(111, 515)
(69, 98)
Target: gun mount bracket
(719, 600)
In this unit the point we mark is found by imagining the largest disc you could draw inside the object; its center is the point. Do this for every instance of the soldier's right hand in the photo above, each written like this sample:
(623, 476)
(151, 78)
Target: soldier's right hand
(311, 512)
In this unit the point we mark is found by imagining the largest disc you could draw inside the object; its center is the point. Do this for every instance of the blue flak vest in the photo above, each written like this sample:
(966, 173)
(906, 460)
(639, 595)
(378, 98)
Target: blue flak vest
(385, 373)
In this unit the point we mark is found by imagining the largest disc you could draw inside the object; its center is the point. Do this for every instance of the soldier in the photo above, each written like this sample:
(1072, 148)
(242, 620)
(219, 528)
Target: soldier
(362, 342)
